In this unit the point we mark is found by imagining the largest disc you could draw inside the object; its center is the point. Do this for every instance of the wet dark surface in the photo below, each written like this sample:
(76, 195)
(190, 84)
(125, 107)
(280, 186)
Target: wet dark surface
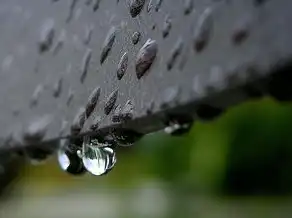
(55, 53)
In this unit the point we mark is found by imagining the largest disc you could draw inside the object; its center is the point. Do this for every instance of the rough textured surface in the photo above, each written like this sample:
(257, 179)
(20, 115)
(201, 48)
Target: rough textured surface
(54, 53)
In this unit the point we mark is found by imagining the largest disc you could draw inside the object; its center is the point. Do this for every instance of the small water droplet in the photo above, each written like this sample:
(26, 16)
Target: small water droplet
(108, 44)
(72, 7)
(125, 137)
(136, 37)
(158, 5)
(88, 34)
(178, 126)
(47, 34)
(98, 158)
(85, 64)
(60, 42)
(146, 57)
(166, 26)
(36, 130)
(36, 95)
(188, 6)
(69, 161)
(96, 4)
(122, 66)
(78, 121)
(92, 100)
(110, 102)
(174, 54)
(170, 96)
(203, 30)
(58, 88)
(136, 7)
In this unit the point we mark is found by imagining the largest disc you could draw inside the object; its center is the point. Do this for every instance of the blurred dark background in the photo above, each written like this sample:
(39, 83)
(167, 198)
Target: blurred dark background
(237, 166)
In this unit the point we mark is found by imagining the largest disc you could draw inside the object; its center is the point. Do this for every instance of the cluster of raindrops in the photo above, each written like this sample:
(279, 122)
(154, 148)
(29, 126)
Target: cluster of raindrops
(99, 157)
(92, 156)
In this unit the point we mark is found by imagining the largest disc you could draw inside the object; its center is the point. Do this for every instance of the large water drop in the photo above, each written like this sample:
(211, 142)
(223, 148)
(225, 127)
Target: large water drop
(69, 161)
(97, 158)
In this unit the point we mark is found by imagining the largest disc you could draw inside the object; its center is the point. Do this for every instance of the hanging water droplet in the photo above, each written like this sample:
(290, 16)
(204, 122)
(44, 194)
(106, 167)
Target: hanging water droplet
(108, 44)
(98, 158)
(178, 125)
(177, 129)
(122, 66)
(136, 7)
(146, 57)
(136, 37)
(125, 137)
(69, 161)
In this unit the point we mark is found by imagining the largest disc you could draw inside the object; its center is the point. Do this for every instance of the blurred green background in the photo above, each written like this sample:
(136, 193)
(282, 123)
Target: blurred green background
(237, 166)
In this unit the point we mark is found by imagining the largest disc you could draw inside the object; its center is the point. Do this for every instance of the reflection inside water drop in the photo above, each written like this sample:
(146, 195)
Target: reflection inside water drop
(69, 161)
(98, 158)
(63, 159)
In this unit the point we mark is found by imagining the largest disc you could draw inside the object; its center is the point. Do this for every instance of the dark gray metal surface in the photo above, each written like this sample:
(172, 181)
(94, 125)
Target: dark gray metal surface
(54, 53)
